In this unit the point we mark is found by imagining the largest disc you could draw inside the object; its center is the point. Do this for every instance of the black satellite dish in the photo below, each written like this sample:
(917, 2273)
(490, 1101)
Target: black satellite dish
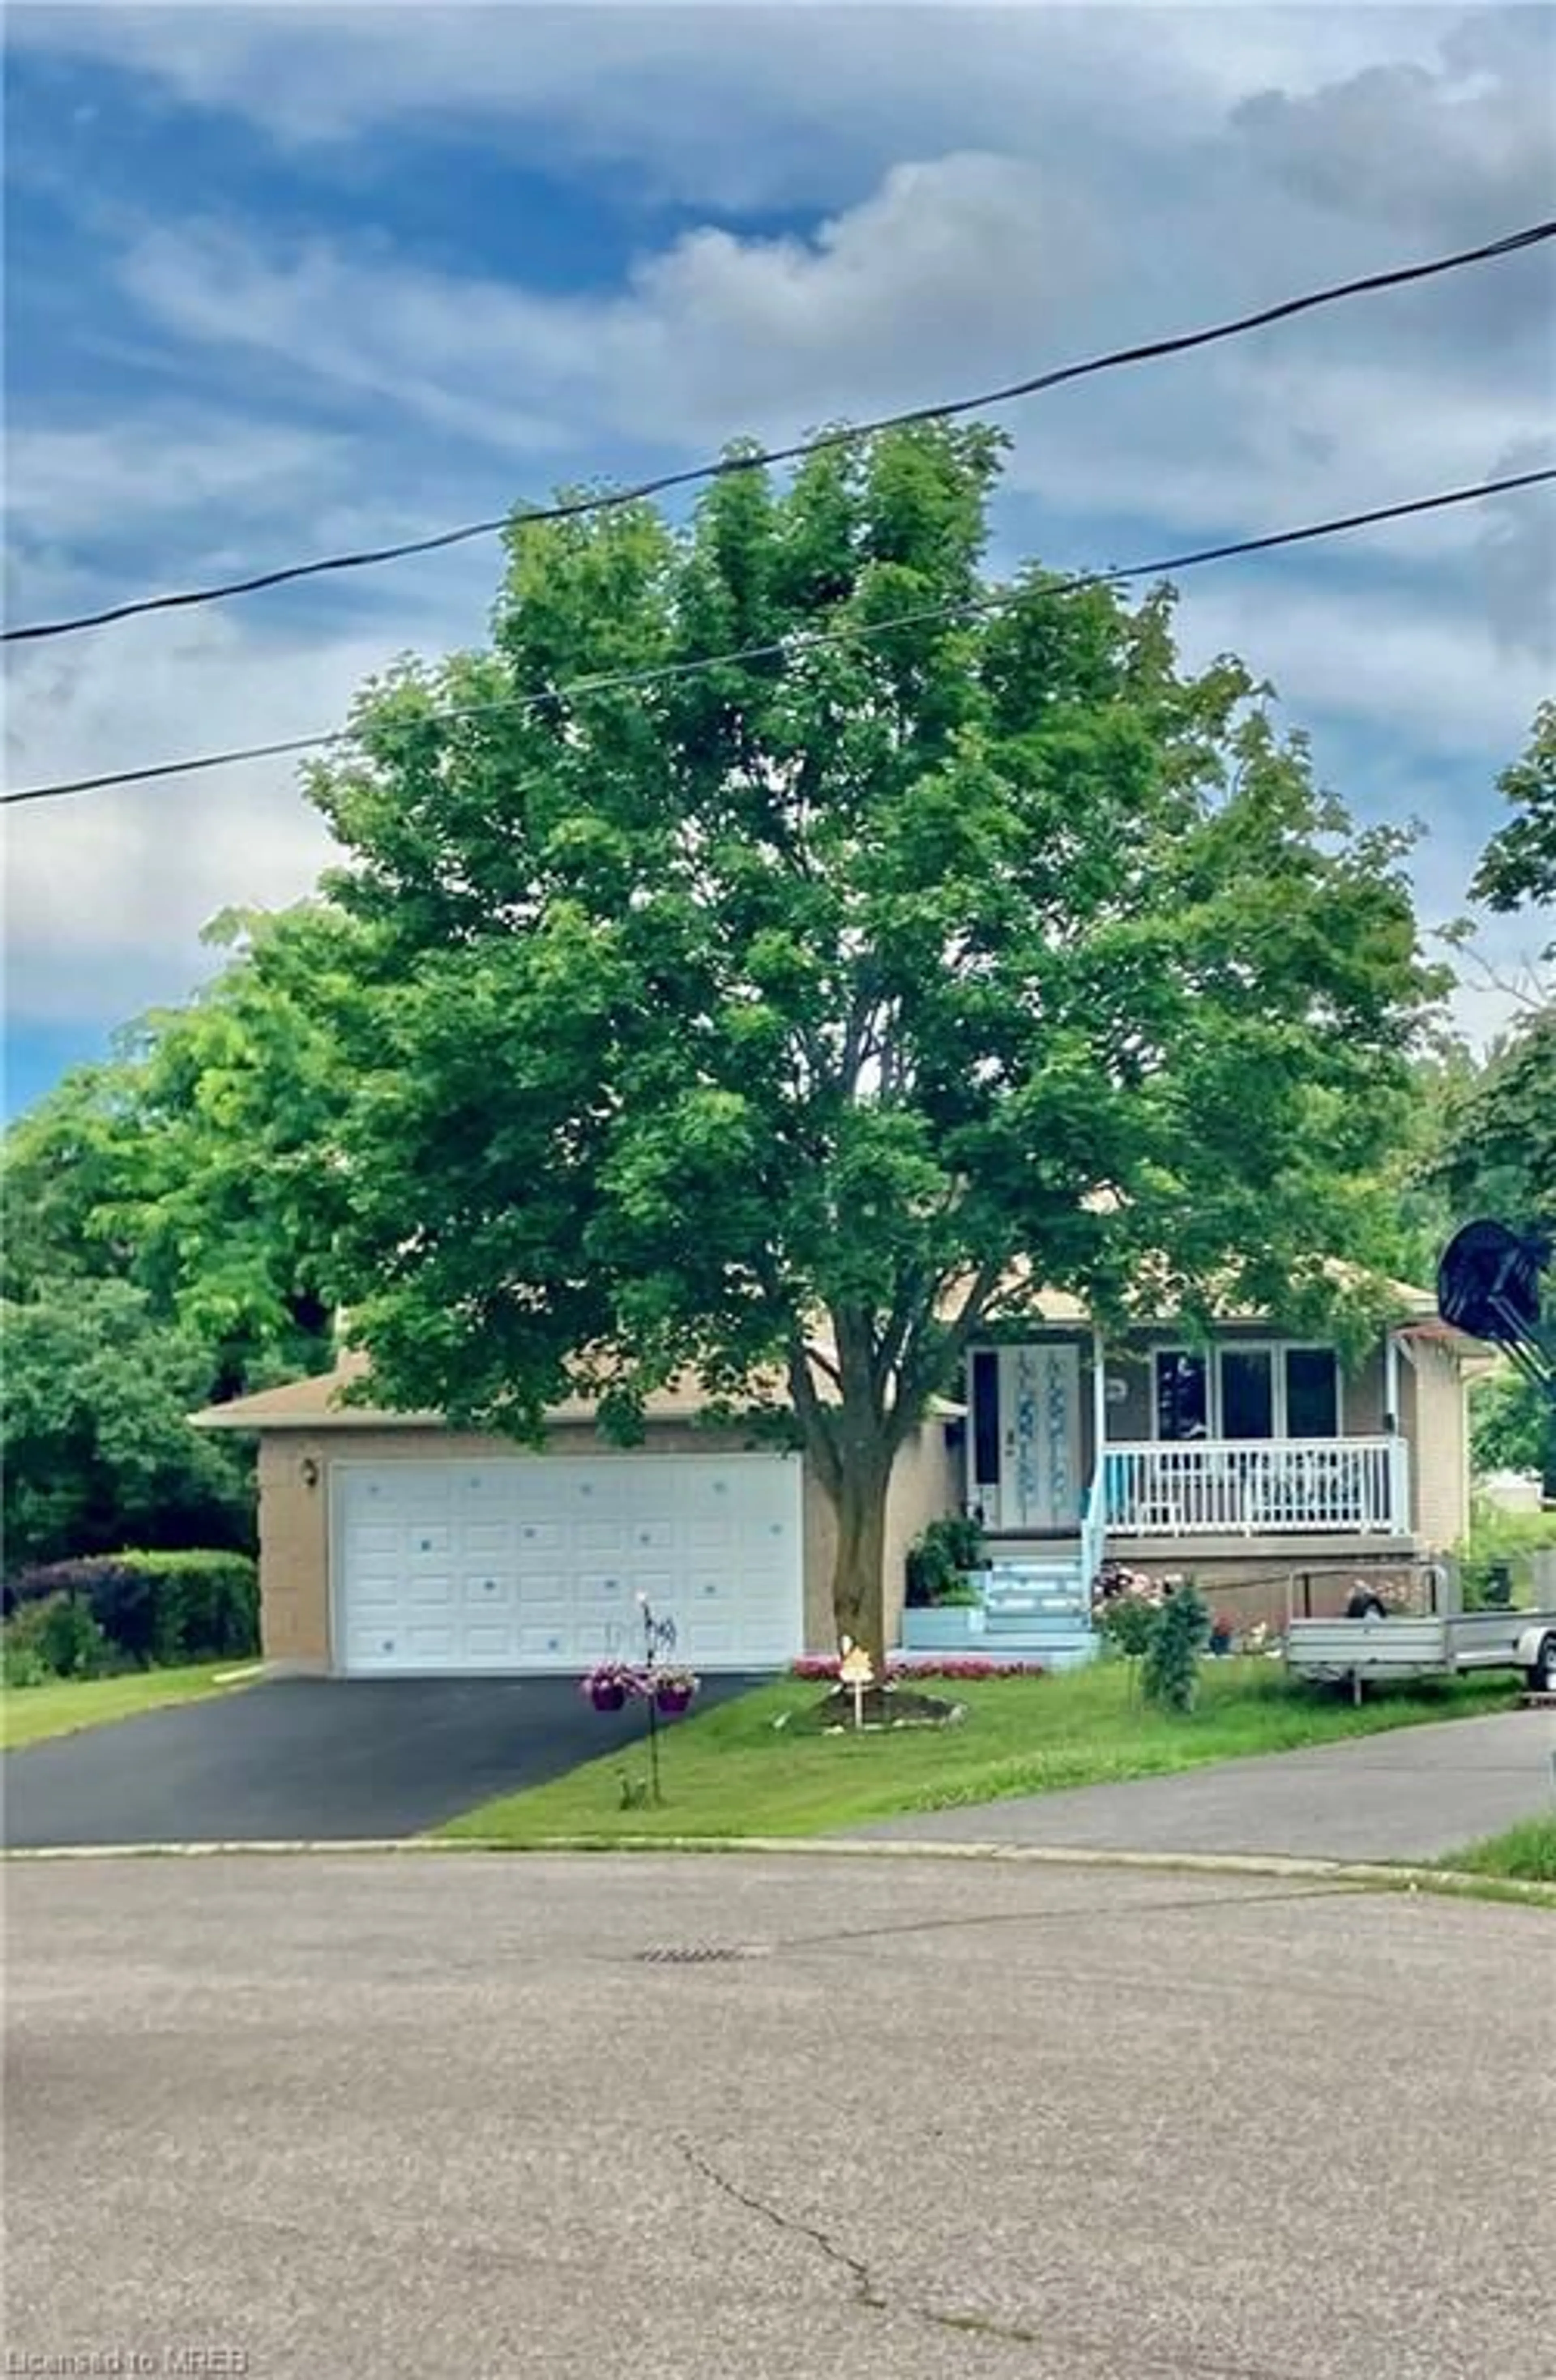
(1489, 1286)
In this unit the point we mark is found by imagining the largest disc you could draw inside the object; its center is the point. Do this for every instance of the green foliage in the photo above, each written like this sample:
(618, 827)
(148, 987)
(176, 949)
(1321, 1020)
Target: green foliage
(1518, 868)
(1128, 1623)
(93, 1425)
(1170, 1674)
(196, 1166)
(1513, 1426)
(162, 1608)
(752, 1025)
(1527, 1850)
(1498, 1155)
(1502, 1542)
(940, 1558)
(55, 1637)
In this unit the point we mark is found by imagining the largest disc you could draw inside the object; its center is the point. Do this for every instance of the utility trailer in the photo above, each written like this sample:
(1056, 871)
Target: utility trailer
(1373, 1643)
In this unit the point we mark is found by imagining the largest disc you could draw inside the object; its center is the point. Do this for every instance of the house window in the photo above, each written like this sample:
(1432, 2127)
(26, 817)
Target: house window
(1312, 1392)
(1182, 1394)
(1247, 1392)
(986, 1418)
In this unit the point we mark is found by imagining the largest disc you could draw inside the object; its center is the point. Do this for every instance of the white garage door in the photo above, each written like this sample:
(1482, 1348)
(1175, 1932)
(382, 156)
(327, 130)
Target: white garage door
(537, 1563)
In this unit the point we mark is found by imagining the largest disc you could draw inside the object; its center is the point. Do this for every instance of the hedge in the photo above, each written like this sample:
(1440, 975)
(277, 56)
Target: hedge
(156, 1609)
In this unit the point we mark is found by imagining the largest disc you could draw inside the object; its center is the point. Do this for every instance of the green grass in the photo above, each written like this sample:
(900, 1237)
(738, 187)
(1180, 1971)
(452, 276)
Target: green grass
(1526, 1851)
(729, 1771)
(29, 1714)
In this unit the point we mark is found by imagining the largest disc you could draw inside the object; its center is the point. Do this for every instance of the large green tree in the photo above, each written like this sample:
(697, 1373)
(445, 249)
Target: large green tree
(764, 1018)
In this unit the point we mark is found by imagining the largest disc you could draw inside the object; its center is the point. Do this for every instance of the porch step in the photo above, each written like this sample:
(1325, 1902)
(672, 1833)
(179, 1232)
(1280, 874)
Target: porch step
(1016, 1593)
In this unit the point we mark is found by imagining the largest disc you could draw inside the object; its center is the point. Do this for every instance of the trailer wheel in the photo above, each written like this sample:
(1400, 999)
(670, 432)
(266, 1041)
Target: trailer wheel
(1541, 1675)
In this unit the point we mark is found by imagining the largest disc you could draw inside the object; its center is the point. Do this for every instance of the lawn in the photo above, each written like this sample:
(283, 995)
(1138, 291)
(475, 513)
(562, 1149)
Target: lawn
(29, 1714)
(729, 1771)
(1525, 1851)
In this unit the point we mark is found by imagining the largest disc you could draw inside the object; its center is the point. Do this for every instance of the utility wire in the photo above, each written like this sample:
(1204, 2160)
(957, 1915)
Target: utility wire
(728, 465)
(801, 640)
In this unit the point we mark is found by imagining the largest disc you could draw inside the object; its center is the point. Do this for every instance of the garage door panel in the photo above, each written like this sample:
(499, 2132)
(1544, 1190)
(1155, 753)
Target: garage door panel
(488, 1642)
(485, 1541)
(543, 1536)
(545, 1647)
(493, 1594)
(599, 1537)
(537, 1561)
(426, 1593)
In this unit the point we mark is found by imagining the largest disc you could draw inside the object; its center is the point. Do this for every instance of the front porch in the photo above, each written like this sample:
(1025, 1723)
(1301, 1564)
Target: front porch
(1062, 1475)
(1264, 1487)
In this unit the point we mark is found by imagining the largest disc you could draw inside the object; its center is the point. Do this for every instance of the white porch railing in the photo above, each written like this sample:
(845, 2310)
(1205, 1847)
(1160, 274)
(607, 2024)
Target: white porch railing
(1256, 1487)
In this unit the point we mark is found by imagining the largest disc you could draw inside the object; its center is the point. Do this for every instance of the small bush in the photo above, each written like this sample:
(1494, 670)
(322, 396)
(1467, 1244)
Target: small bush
(56, 1637)
(1499, 1557)
(938, 1560)
(156, 1609)
(1129, 1623)
(1171, 1675)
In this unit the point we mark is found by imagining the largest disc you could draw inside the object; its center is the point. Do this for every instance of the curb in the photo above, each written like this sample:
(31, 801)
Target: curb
(1360, 1875)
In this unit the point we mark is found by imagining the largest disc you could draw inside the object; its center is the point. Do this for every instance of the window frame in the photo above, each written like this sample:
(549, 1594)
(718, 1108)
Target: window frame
(1277, 1349)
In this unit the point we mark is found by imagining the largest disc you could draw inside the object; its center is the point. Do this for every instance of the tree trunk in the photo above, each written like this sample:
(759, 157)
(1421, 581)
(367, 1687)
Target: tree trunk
(858, 1571)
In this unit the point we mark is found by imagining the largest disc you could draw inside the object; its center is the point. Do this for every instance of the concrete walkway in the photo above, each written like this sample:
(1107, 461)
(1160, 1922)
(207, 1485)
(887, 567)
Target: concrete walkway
(1413, 1795)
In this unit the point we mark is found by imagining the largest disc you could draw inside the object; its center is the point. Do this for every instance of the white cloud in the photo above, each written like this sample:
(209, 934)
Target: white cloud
(106, 894)
(91, 482)
(988, 195)
(1357, 651)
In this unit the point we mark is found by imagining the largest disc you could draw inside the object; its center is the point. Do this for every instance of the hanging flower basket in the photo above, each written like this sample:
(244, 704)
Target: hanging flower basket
(673, 1690)
(608, 1684)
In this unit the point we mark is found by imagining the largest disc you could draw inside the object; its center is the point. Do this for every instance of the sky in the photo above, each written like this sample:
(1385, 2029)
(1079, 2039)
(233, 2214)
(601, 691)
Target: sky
(284, 280)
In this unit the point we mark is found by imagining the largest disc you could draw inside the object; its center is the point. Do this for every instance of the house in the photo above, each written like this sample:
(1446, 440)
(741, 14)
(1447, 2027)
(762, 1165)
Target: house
(391, 1544)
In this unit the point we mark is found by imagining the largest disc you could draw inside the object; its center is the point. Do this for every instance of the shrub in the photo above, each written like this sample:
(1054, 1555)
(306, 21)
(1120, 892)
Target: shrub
(55, 1637)
(1171, 1675)
(940, 1558)
(157, 1608)
(1129, 1623)
(1499, 1557)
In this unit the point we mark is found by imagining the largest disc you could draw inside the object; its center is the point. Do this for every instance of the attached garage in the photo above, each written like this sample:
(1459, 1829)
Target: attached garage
(393, 1546)
(535, 1563)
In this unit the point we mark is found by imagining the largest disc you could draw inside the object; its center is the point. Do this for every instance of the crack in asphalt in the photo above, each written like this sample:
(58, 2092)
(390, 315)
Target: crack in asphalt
(867, 2294)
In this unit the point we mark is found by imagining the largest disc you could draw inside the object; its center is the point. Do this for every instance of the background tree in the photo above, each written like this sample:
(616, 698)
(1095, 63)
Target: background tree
(755, 1022)
(1496, 1151)
(195, 1163)
(96, 1447)
(175, 1199)
(1518, 869)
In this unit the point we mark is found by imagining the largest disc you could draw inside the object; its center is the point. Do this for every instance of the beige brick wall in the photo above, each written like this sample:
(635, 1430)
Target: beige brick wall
(293, 1517)
(1436, 1421)
(926, 1482)
(1248, 1586)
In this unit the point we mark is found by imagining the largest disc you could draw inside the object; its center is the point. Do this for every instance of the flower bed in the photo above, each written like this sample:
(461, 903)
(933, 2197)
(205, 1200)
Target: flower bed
(822, 1668)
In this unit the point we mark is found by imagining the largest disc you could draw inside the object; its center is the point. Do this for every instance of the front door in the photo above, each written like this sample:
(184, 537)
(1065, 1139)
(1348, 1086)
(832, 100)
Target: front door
(1039, 1441)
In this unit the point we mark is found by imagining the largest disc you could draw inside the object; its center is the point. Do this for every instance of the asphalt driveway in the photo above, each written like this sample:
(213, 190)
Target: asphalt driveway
(946, 2120)
(1412, 1794)
(309, 1758)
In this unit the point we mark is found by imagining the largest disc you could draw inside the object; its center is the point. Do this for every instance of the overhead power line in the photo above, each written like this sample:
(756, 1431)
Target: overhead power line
(728, 465)
(801, 640)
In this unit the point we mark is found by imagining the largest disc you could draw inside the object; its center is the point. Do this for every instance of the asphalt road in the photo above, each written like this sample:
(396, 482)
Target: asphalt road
(1411, 1795)
(309, 1759)
(397, 2114)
